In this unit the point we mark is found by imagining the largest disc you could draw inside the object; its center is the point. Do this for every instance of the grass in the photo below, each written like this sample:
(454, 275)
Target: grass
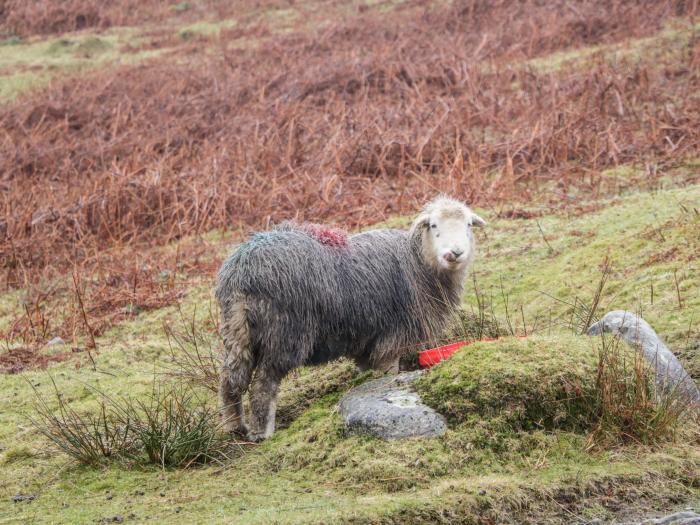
(30, 64)
(670, 39)
(629, 405)
(522, 384)
(645, 237)
(517, 446)
(172, 427)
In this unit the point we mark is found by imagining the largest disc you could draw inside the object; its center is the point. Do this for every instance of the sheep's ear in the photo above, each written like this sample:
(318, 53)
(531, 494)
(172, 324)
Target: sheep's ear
(422, 222)
(478, 221)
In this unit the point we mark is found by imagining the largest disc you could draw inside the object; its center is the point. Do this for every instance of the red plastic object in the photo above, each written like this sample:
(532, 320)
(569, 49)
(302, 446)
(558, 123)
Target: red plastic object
(433, 356)
(428, 358)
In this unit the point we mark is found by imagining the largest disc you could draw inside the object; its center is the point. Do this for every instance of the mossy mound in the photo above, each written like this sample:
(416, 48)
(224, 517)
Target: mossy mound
(517, 384)
(470, 325)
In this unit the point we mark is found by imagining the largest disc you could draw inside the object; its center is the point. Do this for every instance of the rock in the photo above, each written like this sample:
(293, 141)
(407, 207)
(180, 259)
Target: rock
(677, 518)
(682, 517)
(670, 374)
(56, 341)
(17, 498)
(43, 216)
(390, 408)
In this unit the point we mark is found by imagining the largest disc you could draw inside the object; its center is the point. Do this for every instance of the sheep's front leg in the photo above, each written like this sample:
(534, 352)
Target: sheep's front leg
(384, 359)
(389, 366)
(263, 404)
(362, 362)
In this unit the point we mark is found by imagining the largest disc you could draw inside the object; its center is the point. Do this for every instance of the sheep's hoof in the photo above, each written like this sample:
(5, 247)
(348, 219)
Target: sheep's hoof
(256, 437)
(238, 433)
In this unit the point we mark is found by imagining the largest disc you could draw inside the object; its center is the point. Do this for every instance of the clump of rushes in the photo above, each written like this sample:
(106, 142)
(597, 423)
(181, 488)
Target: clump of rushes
(170, 427)
(630, 408)
(174, 428)
(89, 438)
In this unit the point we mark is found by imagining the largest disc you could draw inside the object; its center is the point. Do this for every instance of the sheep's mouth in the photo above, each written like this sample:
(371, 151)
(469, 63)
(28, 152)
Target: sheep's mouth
(453, 265)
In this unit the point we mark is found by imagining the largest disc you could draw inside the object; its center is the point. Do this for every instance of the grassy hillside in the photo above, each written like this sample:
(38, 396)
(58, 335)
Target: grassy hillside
(495, 460)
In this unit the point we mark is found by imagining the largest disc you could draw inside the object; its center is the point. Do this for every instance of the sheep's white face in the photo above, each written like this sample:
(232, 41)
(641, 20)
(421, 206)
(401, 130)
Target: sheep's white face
(448, 239)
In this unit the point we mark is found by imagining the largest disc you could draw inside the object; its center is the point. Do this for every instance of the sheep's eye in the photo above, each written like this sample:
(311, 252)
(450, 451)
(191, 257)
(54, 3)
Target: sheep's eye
(433, 225)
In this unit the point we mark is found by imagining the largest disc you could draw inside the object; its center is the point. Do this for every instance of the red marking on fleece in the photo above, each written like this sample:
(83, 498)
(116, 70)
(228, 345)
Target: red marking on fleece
(326, 235)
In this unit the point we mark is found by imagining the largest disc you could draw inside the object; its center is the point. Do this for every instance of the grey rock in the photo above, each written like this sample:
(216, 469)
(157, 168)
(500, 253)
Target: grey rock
(56, 341)
(671, 518)
(677, 518)
(19, 497)
(670, 374)
(390, 408)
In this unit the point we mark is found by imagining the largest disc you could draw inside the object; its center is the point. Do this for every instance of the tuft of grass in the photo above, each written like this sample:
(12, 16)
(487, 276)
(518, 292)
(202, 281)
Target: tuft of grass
(629, 406)
(195, 358)
(171, 428)
(174, 428)
(89, 438)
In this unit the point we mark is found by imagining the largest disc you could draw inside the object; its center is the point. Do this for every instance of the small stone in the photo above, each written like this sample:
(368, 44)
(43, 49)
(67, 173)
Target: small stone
(390, 408)
(17, 498)
(177, 510)
(56, 341)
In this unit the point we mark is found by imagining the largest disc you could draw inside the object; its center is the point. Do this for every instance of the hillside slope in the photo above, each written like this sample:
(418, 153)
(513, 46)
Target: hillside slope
(486, 467)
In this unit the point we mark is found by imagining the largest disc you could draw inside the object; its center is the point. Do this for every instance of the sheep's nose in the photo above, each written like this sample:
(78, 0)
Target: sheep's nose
(450, 256)
(457, 253)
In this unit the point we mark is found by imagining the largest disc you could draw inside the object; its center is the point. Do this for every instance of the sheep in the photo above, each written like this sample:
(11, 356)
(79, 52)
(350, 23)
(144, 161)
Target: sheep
(305, 294)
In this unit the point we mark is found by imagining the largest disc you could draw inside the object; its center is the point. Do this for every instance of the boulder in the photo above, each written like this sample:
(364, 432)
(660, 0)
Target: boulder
(669, 372)
(390, 408)
(56, 341)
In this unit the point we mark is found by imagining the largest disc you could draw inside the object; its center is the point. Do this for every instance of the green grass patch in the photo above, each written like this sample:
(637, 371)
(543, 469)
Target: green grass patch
(672, 40)
(29, 65)
(652, 243)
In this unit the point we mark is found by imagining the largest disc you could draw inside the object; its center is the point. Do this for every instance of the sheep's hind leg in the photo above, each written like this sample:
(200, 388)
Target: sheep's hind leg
(263, 404)
(236, 371)
(232, 416)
